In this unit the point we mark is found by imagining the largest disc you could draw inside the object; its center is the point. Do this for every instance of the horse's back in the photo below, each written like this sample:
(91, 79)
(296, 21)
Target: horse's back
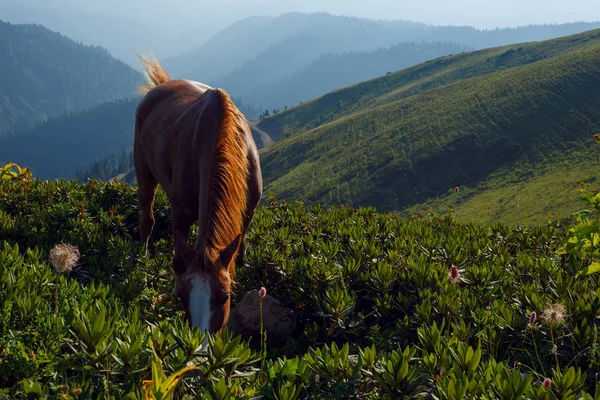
(177, 124)
(172, 98)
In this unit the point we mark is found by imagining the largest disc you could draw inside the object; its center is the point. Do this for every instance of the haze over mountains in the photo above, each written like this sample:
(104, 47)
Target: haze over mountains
(262, 50)
(386, 105)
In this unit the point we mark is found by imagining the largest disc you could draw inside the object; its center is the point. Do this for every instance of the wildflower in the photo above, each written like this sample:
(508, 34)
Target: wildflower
(454, 274)
(64, 257)
(31, 354)
(555, 314)
(456, 189)
(262, 292)
(547, 383)
(532, 318)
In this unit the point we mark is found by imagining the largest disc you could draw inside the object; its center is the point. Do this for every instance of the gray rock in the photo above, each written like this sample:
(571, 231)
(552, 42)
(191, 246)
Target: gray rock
(278, 321)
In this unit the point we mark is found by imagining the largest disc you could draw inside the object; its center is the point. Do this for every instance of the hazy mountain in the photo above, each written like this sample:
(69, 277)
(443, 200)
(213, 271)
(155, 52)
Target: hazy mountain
(332, 71)
(244, 40)
(45, 73)
(122, 36)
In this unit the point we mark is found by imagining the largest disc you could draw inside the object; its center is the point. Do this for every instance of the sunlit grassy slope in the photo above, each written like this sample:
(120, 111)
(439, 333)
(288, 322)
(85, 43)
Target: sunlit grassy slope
(527, 194)
(408, 145)
(418, 79)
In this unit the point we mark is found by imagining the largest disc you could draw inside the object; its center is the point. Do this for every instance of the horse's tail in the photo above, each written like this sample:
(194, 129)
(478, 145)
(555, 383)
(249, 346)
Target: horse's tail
(229, 181)
(155, 74)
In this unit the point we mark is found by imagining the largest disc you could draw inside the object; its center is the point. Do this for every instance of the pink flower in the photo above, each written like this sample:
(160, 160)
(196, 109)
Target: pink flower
(547, 383)
(533, 318)
(457, 189)
(262, 292)
(454, 274)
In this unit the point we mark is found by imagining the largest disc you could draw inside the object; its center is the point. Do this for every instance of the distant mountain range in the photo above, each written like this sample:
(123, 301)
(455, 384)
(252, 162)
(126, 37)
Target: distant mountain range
(44, 74)
(121, 36)
(260, 51)
(333, 71)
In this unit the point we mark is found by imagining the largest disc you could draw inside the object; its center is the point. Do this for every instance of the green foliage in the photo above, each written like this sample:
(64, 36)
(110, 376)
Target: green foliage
(379, 313)
(584, 236)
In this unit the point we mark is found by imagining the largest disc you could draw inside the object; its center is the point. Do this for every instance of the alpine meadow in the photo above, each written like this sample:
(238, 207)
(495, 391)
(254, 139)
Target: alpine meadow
(428, 210)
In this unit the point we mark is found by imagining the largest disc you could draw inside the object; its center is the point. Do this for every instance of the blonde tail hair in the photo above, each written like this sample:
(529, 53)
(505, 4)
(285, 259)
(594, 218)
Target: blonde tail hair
(155, 74)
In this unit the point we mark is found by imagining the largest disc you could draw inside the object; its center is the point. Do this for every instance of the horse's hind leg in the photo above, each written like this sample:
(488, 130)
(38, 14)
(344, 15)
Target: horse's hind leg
(146, 191)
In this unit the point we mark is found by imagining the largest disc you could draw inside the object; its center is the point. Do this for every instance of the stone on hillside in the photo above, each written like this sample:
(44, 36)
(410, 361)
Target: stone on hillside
(278, 321)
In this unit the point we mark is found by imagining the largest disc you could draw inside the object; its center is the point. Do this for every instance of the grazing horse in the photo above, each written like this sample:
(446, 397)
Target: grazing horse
(194, 142)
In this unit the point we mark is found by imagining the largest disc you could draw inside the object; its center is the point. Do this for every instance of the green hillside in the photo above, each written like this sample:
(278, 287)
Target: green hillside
(406, 144)
(420, 78)
(385, 307)
(45, 74)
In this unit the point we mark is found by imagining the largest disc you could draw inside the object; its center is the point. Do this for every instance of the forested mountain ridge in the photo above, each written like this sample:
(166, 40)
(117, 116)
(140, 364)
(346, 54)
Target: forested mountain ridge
(45, 74)
(71, 142)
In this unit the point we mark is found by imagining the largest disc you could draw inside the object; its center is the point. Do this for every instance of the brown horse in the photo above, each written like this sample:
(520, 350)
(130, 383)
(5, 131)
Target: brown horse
(194, 142)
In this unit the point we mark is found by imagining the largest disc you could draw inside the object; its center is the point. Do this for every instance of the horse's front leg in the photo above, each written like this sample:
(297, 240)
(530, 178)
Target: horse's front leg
(180, 222)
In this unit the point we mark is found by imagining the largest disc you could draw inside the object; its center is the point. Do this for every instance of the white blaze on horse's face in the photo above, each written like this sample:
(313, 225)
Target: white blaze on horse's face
(200, 313)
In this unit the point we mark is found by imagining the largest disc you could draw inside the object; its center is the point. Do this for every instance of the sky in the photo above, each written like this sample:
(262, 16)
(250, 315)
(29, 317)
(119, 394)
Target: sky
(171, 27)
(478, 13)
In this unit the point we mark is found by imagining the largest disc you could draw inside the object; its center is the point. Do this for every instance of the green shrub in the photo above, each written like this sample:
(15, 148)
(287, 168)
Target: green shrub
(386, 307)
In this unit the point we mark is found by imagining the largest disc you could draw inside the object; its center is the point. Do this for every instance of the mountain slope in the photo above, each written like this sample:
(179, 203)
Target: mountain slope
(45, 74)
(414, 80)
(332, 71)
(418, 147)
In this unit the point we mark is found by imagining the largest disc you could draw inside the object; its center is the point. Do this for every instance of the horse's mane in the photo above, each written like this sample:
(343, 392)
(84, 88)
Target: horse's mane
(155, 74)
(228, 187)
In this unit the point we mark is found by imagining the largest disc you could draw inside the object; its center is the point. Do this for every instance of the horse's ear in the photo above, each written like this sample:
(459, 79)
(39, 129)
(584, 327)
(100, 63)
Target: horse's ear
(183, 248)
(228, 252)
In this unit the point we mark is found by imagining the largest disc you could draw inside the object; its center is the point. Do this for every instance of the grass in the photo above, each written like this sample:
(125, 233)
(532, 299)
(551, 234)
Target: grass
(520, 194)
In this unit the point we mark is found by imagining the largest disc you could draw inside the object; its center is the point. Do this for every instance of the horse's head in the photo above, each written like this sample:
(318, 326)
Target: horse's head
(205, 287)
